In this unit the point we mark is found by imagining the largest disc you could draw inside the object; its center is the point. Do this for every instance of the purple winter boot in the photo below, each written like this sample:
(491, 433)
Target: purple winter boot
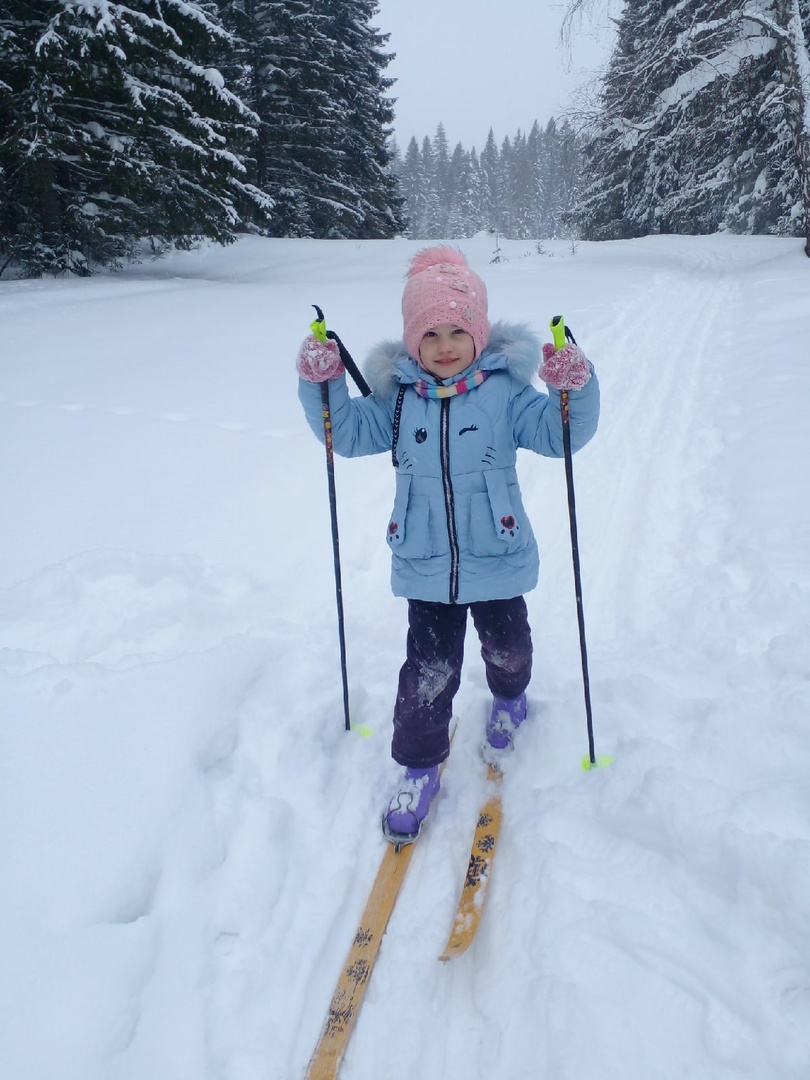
(506, 717)
(409, 805)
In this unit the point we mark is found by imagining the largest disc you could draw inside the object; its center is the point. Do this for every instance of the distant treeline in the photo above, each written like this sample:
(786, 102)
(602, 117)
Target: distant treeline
(521, 189)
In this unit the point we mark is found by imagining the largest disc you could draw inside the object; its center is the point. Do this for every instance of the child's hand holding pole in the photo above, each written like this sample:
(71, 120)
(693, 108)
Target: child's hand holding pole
(319, 358)
(565, 366)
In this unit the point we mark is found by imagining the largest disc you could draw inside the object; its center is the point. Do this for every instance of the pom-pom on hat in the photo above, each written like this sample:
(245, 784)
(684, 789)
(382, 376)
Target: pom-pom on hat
(441, 288)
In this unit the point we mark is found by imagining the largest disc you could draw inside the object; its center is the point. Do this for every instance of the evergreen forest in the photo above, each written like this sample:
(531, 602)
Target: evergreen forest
(163, 122)
(525, 188)
(703, 122)
(139, 126)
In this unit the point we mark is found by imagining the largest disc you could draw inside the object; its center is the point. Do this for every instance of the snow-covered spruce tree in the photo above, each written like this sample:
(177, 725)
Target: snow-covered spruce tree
(648, 130)
(278, 68)
(505, 216)
(414, 188)
(787, 24)
(549, 181)
(535, 157)
(704, 121)
(464, 194)
(441, 176)
(568, 155)
(521, 194)
(764, 189)
(15, 51)
(431, 227)
(120, 127)
(491, 183)
(352, 64)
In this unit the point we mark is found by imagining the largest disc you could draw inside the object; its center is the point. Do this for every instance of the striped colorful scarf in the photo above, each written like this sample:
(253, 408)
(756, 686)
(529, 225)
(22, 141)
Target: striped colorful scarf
(432, 390)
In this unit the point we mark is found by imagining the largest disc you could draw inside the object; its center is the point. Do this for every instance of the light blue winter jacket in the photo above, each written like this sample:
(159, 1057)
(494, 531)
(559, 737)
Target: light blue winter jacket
(458, 531)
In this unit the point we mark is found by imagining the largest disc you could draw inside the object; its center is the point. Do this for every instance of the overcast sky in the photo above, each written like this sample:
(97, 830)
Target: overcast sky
(476, 64)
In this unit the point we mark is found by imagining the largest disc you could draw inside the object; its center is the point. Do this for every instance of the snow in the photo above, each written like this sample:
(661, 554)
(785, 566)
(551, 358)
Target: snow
(215, 77)
(188, 835)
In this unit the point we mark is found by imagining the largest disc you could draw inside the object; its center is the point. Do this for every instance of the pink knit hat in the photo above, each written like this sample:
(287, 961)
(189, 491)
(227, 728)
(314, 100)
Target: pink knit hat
(441, 288)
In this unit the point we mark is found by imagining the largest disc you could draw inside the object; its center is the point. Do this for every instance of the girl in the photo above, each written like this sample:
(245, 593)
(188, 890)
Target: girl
(452, 403)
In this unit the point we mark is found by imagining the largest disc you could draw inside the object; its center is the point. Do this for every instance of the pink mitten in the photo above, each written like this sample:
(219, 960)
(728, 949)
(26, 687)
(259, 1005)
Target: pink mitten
(319, 361)
(566, 369)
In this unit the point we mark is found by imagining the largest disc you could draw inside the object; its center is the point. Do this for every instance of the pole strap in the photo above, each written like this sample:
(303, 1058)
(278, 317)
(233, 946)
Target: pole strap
(318, 328)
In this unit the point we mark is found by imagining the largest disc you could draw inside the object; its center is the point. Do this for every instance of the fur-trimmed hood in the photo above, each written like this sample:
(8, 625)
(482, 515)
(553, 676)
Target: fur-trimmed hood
(511, 346)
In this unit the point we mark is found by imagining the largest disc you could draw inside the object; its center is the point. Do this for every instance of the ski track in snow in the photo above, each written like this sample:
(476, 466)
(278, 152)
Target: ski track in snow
(193, 836)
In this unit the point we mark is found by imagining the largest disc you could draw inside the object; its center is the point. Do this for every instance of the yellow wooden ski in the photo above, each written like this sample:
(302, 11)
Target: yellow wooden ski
(356, 971)
(473, 895)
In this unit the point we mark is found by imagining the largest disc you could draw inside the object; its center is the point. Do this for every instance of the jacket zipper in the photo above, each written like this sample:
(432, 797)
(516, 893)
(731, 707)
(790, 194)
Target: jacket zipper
(449, 508)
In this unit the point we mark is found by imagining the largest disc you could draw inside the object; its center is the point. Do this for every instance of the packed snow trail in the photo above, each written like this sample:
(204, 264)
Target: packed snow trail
(189, 836)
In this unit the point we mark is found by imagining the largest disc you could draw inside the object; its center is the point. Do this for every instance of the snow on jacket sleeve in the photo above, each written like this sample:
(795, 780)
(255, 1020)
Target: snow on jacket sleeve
(360, 426)
(537, 422)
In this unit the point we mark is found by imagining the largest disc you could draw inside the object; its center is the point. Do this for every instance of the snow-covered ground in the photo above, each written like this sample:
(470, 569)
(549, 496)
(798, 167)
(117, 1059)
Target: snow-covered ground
(188, 836)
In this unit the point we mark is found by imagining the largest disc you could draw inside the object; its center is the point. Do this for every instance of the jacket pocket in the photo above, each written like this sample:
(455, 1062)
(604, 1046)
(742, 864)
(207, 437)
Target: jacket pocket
(409, 527)
(498, 522)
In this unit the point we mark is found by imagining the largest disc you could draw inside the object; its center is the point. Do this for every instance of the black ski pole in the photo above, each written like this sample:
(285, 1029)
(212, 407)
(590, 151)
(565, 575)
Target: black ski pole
(562, 335)
(322, 334)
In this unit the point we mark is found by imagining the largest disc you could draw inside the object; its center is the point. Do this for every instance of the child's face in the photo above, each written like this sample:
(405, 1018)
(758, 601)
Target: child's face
(446, 351)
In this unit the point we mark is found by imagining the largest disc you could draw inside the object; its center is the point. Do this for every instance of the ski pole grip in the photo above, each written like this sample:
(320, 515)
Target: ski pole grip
(557, 326)
(318, 327)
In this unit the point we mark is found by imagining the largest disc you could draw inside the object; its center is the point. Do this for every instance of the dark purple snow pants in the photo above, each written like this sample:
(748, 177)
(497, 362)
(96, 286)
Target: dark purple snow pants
(431, 674)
